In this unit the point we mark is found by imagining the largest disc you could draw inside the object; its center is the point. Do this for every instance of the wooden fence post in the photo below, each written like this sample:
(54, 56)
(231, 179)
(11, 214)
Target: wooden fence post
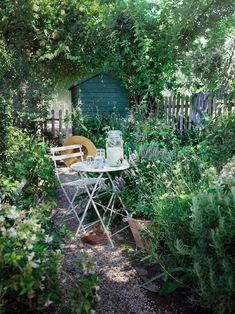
(169, 110)
(173, 111)
(53, 123)
(60, 126)
(181, 114)
(190, 113)
(157, 108)
(66, 123)
(210, 101)
(45, 126)
(165, 109)
(186, 112)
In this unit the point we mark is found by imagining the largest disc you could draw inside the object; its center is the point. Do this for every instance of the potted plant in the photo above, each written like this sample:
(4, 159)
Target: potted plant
(138, 202)
(141, 224)
(148, 165)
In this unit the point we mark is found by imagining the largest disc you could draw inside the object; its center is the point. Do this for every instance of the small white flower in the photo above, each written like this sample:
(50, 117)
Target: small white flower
(2, 219)
(49, 302)
(33, 238)
(30, 247)
(48, 239)
(32, 264)
(13, 213)
(4, 231)
(31, 256)
(24, 236)
(12, 232)
(42, 287)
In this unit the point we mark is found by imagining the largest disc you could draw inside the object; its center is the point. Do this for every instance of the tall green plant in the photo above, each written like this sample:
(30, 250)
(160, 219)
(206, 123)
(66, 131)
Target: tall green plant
(213, 231)
(218, 139)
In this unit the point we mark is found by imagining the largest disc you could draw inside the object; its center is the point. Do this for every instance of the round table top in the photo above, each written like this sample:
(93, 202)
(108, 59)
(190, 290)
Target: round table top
(82, 166)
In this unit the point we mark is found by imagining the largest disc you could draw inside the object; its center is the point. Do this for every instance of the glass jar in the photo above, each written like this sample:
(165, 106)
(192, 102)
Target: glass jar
(114, 148)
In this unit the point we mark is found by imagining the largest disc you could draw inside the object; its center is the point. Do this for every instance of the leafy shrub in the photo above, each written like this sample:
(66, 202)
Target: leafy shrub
(171, 205)
(28, 263)
(30, 260)
(213, 231)
(218, 140)
(172, 218)
(83, 290)
(5, 122)
(96, 127)
(153, 130)
(148, 163)
(26, 159)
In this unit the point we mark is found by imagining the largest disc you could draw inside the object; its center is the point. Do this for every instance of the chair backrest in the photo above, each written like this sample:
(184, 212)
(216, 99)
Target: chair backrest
(57, 156)
(56, 150)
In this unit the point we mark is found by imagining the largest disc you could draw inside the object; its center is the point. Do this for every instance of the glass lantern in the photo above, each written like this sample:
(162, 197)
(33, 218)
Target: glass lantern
(114, 148)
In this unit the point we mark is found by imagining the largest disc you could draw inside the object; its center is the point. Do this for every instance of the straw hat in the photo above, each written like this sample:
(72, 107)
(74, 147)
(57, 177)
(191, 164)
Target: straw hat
(88, 148)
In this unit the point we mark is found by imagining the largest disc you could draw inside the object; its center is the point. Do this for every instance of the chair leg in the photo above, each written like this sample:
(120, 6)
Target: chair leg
(71, 207)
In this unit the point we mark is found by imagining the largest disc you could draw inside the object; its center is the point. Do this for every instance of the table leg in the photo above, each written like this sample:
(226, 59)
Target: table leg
(114, 190)
(91, 201)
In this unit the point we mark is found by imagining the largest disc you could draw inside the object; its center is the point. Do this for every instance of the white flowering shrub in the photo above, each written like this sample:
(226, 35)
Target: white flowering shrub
(28, 263)
(227, 174)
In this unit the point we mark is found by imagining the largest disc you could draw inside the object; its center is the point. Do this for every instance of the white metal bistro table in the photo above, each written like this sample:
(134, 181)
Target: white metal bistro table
(104, 172)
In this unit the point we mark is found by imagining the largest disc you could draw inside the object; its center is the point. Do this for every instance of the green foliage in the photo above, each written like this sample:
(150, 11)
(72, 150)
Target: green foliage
(152, 143)
(96, 127)
(209, 65)
(142, 42)
(5, 122)
(28, 262)
(213, 231)
(26, 160)
(28, 249)
(83, 290)
(218, 140)
(25, 85)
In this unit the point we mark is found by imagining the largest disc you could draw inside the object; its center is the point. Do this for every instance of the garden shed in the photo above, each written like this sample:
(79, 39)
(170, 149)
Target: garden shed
(99, 93)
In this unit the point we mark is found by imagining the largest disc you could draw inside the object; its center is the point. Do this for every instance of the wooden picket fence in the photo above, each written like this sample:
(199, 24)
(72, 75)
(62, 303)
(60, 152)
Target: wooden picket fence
(56, 125)
(174, 110)
(177, 110)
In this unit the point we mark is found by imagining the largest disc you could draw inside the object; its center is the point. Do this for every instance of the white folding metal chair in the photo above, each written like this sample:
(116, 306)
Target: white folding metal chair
(79, 184)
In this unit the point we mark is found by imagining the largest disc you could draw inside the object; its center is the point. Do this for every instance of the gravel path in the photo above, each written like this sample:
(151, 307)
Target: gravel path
(119, 282)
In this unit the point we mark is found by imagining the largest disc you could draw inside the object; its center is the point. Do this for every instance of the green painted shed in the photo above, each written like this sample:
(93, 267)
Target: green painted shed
(99, 93)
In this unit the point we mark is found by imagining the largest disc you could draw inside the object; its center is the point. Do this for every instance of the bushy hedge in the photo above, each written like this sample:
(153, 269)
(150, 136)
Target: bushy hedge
(218, 139)
(213, 231)
(175, 181)
(191, 204)
(30, 256)
(28, 261)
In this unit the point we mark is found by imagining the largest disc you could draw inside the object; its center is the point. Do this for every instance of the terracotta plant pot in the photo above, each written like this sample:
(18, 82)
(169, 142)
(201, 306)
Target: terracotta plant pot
(136, 226)
(96, 236)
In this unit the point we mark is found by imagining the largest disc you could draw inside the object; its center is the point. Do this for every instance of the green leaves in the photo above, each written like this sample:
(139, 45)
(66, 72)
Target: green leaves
(171, 283)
